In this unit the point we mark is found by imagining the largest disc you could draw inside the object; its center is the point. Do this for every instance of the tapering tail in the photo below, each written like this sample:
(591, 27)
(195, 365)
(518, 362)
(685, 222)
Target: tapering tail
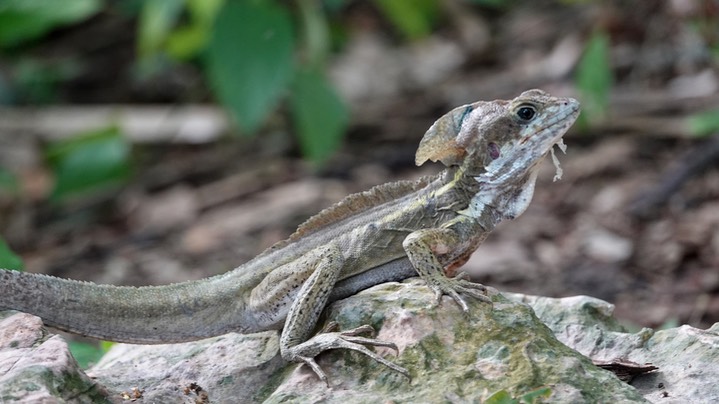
(142, 315)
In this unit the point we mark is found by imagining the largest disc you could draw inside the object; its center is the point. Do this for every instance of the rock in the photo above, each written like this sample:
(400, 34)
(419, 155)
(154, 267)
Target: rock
(686, 356)
(232, 365)
(36, 367)
(450, 356)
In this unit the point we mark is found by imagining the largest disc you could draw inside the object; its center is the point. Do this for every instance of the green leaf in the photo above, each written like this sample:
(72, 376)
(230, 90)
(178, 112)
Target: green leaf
(492, 3)
(319, 115)
(24, 20)
(89, 162)
(334, 6)
(37, 80)
(316, 33)
(249, 59)
(594, 78)
(204, 11)
(8, 182)
(413, 18)
(8, 259)
(535, 396)
(500, 397)
(671, 322)
(187, 41)
(86, 354)
(704, 123)
(156, 21)
(106, 345)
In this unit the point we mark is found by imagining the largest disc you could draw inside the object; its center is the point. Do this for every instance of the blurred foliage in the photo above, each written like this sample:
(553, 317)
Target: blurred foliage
(162, 28)
(248, 50)
(254, 54)
(87, 354)
(249, 59)
(492, 3)
(39, 79)
(594, 79)
(8, 259)
(504, 397)
(89, 162)
(704, 123)
(25, 20)
(316, 37)
(155, 24)
(8, 182)
(671, 322)
(318, 114)
(414, 19)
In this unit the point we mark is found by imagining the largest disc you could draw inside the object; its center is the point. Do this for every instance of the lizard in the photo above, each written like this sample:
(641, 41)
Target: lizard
(427, 227)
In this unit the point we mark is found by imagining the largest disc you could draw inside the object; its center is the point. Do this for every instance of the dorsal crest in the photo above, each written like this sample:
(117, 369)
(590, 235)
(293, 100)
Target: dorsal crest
(357, 203)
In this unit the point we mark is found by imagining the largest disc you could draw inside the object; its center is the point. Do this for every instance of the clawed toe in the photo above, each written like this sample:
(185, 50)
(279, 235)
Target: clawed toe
(349, 339)
(315, 368)
(359, 330)
(454, 288)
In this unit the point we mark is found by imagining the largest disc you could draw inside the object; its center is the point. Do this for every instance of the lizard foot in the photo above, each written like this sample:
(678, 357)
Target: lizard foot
(460, 284)
(349, 339)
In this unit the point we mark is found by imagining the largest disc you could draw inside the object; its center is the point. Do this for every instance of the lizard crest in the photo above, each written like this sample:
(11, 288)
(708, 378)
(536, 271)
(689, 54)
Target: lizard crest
(356, 203)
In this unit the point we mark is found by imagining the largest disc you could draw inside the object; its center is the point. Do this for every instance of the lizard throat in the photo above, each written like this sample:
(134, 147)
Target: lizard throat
(498, 201)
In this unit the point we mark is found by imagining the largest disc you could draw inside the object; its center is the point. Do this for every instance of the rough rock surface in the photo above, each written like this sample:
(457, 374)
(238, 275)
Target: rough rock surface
(451, 357)
(36, 367)
(687, 357)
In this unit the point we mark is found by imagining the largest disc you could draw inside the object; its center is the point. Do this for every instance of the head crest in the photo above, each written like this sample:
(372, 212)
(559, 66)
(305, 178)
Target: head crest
(440, 141)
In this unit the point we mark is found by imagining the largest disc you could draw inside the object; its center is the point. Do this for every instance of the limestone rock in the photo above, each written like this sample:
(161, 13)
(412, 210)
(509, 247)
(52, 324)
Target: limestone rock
(36, 367)
(452, 357)
(687, 357)
(220, 368)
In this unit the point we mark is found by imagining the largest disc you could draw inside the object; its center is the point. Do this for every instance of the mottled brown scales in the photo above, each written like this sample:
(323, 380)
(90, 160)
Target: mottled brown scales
(428, 227)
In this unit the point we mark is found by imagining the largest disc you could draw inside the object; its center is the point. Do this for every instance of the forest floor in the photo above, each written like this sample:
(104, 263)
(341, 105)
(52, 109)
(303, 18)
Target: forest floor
(634, 220)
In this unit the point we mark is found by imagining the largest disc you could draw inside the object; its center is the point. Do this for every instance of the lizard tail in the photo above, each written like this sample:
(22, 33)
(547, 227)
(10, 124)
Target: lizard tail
(142, 315)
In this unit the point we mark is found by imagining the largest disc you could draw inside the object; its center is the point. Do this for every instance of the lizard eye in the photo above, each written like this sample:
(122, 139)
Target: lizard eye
(526, 112)
(493, 150)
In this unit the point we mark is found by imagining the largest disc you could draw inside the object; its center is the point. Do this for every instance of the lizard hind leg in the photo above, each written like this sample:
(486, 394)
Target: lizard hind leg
(295, 342)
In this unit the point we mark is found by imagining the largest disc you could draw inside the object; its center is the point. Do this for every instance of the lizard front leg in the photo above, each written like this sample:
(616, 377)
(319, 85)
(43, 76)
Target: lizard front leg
(324, 266)
(456, 240)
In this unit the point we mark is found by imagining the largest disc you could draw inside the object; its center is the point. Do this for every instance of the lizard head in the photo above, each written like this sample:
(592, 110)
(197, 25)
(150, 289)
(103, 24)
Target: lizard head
(500, 144)
(493, 135)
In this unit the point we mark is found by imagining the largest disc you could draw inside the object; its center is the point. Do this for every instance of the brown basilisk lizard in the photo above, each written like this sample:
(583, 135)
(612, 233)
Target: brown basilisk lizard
(393, 231)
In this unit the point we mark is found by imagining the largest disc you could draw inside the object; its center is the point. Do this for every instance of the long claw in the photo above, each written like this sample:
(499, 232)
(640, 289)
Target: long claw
(330, 327)
(350, 339)
(315, 368)
(454, 288)
(460, 301)
(358, 330)
(437, 296)
(361, 348)
(372, 342)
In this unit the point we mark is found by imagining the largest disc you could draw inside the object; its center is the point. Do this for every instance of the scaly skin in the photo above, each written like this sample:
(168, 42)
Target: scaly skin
(431, 226)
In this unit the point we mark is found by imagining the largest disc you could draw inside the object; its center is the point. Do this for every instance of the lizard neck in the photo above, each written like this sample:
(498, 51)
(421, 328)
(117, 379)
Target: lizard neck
(489, 202)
